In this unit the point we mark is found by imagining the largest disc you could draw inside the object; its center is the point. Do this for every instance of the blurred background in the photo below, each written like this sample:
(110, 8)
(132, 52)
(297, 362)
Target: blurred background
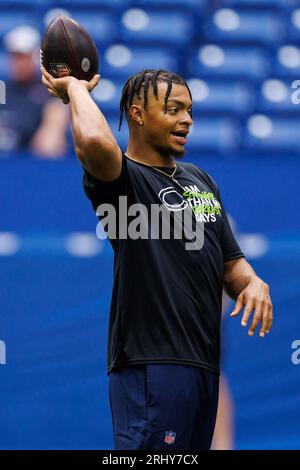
(241, 59)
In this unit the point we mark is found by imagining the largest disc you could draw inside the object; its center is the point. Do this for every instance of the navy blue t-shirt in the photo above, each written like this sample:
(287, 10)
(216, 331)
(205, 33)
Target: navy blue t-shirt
(166, 300)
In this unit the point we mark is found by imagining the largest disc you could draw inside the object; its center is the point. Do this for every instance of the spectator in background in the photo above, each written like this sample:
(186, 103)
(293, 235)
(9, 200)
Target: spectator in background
(30, 119)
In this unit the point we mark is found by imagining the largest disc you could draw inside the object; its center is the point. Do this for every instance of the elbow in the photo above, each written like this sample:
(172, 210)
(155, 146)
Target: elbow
(80, 154)
(95, 145)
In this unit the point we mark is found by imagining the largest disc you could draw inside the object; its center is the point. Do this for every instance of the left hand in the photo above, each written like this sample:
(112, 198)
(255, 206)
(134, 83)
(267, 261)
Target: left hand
(255, 296)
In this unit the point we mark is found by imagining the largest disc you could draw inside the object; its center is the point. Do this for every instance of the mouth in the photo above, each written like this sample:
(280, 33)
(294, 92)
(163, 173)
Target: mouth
(180, 136)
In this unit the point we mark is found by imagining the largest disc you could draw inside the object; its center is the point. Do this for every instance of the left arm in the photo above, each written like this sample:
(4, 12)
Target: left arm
(243, 285)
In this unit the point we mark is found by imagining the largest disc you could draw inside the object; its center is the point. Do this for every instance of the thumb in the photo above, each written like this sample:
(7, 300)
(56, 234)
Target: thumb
(94, 82)
(237, 307)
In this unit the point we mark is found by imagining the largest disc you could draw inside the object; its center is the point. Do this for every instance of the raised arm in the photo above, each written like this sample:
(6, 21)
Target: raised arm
(94, 142)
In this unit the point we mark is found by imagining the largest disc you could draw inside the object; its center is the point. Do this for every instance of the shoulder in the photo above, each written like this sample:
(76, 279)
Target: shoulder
(200, 173)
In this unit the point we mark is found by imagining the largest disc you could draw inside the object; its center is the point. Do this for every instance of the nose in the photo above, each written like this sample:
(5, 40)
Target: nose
(186, 118)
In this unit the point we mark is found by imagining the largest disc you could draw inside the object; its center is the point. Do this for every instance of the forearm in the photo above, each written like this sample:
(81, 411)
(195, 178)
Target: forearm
(88, 122)
(237, 275)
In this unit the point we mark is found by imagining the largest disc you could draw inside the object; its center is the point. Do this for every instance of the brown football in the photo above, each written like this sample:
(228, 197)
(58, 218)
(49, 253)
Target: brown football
(67, 49)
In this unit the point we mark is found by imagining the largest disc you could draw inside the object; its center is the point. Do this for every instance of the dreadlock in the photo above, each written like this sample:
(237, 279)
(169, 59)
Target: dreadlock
(145, 78)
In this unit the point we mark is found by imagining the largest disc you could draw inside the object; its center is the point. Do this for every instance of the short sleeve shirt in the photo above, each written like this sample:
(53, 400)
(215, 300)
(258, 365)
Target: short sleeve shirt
(166, 300)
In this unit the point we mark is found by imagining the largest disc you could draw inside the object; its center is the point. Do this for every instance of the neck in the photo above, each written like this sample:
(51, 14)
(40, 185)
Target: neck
(149, 155)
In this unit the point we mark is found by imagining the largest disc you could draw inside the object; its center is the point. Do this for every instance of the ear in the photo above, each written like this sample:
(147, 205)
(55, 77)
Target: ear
(137, 113)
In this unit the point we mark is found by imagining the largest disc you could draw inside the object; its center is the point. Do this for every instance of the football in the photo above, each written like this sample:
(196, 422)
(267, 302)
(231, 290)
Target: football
(67, 49)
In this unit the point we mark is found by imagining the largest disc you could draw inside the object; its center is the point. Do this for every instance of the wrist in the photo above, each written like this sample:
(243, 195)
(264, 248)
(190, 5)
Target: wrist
(74, 85)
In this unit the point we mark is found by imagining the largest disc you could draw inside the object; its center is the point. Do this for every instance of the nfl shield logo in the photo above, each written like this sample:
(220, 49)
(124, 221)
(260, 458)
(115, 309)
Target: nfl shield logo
(170, 437)
(60, 70)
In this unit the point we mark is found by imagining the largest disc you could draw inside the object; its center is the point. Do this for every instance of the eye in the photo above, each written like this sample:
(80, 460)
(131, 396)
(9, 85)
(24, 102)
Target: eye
(173, 109)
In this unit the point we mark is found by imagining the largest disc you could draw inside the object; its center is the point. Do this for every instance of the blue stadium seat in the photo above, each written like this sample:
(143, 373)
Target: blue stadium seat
(210, 60)
(197, 5)
(272, 134)
(20, 17)
(239, 26)
(122, 135)
(213, 134)
(215, 96)
(260, 3)
(92, 3)
(24, 3)
(294, 25)
(275, 96)
(107, 95)
(3, 65)
(101, 24)
(155, 26)
(122, 61)
(286, 63)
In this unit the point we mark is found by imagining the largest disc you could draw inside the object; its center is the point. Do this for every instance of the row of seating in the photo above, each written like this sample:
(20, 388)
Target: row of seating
(207, 61)
(177, 26)
(218, 97)
(259, 133)
(261, 4)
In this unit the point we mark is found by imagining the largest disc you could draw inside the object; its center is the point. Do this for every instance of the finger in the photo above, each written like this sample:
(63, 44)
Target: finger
(237, 308)
(257, 317)
(265, 320)
(270, 318)
(93, 82)
(247, 312)
(46, 82)
(46, 74)
(52, 92)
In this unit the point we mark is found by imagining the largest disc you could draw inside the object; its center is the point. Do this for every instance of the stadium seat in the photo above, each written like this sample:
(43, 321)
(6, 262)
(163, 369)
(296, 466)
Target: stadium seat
(293, 33)
(101, 25)
(92, 3)
(107, 95)
(286, 63)
(272, 134)
(276, 96)
(22, 3)
(194, 4)
(122, 135)
(213, 134)
(245, 27)
(215, 96)
(3, 65)
(155, 26)
(210, 60)
(260, 3)
(122, 61)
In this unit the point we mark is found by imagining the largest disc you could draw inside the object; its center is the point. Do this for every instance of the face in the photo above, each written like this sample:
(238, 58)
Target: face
(22, 67)
(159, 127)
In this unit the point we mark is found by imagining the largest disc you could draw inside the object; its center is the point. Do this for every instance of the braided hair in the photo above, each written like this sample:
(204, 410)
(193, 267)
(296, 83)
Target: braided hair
(145, 78)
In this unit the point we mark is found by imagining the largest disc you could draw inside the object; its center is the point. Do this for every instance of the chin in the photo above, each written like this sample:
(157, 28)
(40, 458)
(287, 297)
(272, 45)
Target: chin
(179, 153)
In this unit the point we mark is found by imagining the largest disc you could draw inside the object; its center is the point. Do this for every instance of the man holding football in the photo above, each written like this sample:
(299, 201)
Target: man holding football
(164, 329)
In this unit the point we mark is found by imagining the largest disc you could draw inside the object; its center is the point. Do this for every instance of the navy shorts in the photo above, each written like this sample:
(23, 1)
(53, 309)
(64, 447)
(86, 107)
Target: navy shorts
(163, 407)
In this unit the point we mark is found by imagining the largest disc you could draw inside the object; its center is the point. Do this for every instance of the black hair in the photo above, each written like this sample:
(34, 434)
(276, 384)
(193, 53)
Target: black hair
(144, 79)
